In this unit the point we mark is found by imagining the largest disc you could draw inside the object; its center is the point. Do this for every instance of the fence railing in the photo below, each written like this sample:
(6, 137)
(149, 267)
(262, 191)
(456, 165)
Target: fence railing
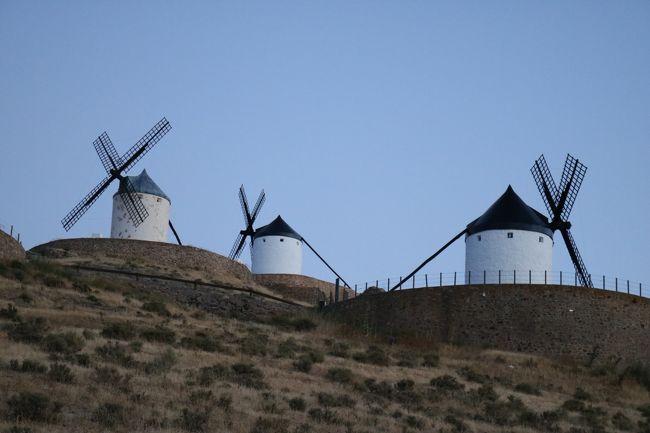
(603, 282)
(9, 229)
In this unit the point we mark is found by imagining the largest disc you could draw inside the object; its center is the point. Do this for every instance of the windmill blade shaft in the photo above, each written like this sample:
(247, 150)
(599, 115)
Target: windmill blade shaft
(137, 151)
(237, 247)
(82, 207)
(107, 153)
(258, 206)
(423, 264)
(133, 203)
(578, 263)
(178, 239)
(323, 260)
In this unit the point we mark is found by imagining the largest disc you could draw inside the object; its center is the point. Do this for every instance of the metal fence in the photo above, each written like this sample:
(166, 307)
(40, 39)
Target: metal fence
(9, 229)
(615, 284)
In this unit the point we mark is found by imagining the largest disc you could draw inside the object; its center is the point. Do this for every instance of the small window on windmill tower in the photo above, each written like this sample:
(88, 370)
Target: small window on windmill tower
(510, 235)
(541, 239)
(281, 240)
(479, 238)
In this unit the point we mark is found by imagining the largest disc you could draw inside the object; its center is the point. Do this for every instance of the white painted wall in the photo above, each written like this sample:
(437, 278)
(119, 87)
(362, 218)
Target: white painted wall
(153, 228)
(276, 255)
(495, 251)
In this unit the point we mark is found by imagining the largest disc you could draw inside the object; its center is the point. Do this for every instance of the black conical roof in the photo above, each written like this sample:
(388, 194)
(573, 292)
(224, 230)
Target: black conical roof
(278, 227)
(510, 212)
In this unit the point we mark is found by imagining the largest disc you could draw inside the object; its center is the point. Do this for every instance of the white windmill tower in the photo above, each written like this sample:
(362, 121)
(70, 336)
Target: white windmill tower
(511, 241)
(153, 199)
(276, 249)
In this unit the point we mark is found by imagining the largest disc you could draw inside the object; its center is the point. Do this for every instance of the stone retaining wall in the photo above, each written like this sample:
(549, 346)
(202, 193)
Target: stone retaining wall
(556, 321)
(10, 248)
(302, 287)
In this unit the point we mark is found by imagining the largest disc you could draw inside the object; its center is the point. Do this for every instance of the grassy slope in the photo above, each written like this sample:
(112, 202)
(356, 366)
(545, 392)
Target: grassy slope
(221, 375)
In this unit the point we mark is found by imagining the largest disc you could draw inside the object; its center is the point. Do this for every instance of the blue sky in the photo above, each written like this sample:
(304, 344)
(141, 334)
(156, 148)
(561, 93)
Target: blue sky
(378, 129)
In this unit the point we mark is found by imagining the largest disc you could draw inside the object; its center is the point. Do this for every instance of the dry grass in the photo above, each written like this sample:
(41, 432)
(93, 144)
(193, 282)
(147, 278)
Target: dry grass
(250, 382)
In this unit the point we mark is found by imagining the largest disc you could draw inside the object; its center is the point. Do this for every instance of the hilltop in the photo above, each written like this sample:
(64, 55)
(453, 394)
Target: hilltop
(84, 352)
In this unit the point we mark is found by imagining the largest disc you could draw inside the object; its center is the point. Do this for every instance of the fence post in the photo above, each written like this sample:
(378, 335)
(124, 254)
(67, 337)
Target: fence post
(560, 278)
(603, 282)
(413, 282)
(426, 281)
(440, 279)
(616, 284)
(499, 276)
(640, 290)
(18, 238)
(530, 276)
(366, 285)
(355, 290)
(545, 283)
(377, 283)
(514, 276)
(400, 283)
(12, 231)
(628, 287)
(389, 284)
(484, 276)
(454, 278)
(336, 292)
(469, 277)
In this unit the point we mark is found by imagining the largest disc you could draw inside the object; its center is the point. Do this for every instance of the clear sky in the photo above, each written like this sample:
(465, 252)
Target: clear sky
(378, 129)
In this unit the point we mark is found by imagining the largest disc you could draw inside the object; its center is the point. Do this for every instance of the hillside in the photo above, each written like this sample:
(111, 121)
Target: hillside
(90, 353)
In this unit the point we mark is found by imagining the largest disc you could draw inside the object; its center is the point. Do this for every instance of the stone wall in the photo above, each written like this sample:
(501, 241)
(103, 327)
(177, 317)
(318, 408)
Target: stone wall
(10, 248)
(157, 257)
(302, 287)
(556, 321)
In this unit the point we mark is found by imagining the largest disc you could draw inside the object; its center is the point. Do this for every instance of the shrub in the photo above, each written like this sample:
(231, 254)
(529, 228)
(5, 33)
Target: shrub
(66, 343)
(373, 355)
(404, 385)
(340, 375)
(225, 402)
(159, 334)
(446, 383)
(156, 307)
(382, 389)
(28, 366)
(207, 375)
(574, 405)
(161, 363)
(107, 375)
(287, 348)
(248, 375)
(639, 373)
(109, 414)
(254, 345)
(504, 413)
(457, 424)
(303, 363)
(414, 422)
(645, 411)
(299, 324)
(60, 373)
(470, 375)
(621, 422)
(527, 388)
(54, 282)
(323, 415)
(329, 400)
(30, 331)
(119, 331)
(28, 406)
(116, 354)
(297, 404)
(202, 341)
(339, 349)
(430, 360)
(316, 356)
(194, 420)
(486, 393)
(271, 425)
(10, 312)
(581, 394)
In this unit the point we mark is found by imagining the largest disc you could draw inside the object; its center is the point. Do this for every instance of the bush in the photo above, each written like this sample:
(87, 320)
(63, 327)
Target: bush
(470, 375)
(248, 375)
(486, 393)
(640, 373)
(202, 341)
(574, 405)
(159, 334)
(30, 331)
(323, 415)
(10, 312)
(109, 414)
(116, 354)
(254, 345)
(156, 307)
(340, 375)
(373, 355)
(299, 324)
(339, 349)
(404, 385)
(382, 389)
(446, 383)
(527, 388)
(621, 422)
(66, 343)
(194, 420)
(28, 366)
(303, 363)
(430, 360)
(207, 375)
(60, 373)
(119, 331)
(107, 375)
(271, 425)
(581, 394)
(329, 400)
(457, 424)
(28, 406)
(414, 422)
(162, 363)
(297, 404)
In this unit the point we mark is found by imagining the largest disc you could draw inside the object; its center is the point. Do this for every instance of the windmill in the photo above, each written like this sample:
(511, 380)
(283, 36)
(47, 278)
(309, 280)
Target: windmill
(116, 167)
(249, 219)
(511, 213)
(269, 251)
(559, 203)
